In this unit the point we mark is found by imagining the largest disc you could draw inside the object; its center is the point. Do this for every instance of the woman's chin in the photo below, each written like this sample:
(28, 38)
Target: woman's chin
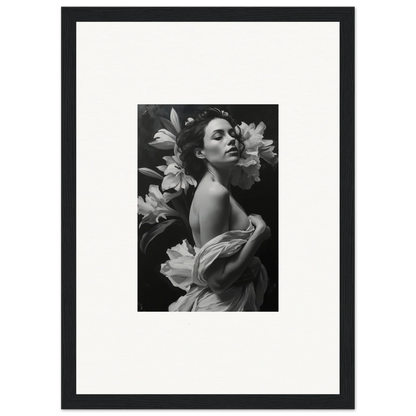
(232, 161)
(227, 163)
(233, 156)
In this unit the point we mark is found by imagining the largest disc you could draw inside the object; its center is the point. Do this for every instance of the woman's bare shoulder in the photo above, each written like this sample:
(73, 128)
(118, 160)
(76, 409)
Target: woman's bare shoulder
(216, 190)
(211, 188)
(212, 193)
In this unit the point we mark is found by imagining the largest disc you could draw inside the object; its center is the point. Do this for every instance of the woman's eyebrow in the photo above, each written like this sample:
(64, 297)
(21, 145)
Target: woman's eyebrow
(217, 131)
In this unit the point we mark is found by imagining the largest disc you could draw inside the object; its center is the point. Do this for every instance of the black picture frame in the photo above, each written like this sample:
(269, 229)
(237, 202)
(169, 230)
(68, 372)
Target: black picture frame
(70, 399)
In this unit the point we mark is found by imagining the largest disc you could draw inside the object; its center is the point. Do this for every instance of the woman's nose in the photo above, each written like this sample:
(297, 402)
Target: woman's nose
(231, 140)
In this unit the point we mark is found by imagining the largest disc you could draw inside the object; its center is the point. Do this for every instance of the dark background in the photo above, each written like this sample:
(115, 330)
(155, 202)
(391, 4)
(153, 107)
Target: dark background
(155, 292)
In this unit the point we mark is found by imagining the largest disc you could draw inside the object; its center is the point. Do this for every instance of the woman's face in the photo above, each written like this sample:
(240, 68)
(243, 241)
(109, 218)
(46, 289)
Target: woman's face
(221, 147)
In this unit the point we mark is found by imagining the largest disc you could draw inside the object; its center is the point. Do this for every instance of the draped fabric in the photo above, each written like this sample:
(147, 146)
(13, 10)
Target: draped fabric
(187, 268)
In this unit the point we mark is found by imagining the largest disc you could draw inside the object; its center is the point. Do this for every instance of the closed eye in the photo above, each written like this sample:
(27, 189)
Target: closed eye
(219, 134)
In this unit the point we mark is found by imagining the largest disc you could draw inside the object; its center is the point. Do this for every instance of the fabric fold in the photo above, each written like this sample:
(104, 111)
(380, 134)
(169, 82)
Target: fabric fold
(187, 269)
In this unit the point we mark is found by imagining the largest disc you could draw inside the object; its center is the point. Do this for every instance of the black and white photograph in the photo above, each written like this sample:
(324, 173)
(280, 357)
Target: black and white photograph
(208, 208)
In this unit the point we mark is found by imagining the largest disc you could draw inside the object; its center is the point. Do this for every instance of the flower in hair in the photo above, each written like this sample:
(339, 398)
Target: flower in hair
(190, 120)
(254, 143)
(247, 170)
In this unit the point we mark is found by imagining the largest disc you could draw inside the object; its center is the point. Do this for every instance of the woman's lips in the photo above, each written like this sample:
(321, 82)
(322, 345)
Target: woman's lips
(233, 149)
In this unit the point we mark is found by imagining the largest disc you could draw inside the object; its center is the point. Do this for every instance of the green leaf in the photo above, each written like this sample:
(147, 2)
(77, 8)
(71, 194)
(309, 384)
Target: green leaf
(154, 232)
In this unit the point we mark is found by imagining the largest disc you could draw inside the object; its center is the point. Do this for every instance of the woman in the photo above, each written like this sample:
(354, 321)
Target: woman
(221, 273)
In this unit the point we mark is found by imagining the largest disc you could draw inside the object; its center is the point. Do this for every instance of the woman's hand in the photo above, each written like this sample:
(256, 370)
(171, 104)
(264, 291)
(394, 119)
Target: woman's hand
(224, 272)
(262, 230)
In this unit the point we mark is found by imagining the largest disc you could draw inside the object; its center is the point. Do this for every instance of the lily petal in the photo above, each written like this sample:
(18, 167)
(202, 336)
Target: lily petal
(154, 207)
(184, 185)
(177, 159)
(154, 190)
(169, 160)
(251, 126)
(162, 168)
(244, 127)
(151, 173)
(175, 120)
(172, 169)
(166, 134)
(191, 180)
(168, 196)
(165, 140)
(171, 182)
(270, 158)
(162, 144)
(143, 208)
(260, 128)
(183, 249)
(267, 143)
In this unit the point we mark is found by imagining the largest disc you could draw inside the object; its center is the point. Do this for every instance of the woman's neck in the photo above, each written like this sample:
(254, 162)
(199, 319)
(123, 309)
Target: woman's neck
(218, 175)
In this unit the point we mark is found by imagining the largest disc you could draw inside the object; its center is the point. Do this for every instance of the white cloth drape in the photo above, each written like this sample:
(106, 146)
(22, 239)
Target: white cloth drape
(187, 269)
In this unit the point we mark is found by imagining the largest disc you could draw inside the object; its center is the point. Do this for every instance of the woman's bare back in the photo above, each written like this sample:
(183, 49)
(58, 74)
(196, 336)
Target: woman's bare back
(237, 218)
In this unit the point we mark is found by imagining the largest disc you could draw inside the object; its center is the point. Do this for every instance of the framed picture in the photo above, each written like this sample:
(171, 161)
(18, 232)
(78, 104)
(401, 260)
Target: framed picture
(232, 132)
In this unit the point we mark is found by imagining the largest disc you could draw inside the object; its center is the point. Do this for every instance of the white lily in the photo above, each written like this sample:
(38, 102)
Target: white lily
(254, 143)
(178, 269)
(246, 172)
(183, 249)
(154, 206)
(175, 176)
(165, 140)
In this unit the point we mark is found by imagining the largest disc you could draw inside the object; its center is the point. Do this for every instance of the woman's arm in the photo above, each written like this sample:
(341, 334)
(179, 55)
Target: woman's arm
(214, 218)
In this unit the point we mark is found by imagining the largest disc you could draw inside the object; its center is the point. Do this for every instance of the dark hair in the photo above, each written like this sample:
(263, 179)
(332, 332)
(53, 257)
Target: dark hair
(191, 138)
